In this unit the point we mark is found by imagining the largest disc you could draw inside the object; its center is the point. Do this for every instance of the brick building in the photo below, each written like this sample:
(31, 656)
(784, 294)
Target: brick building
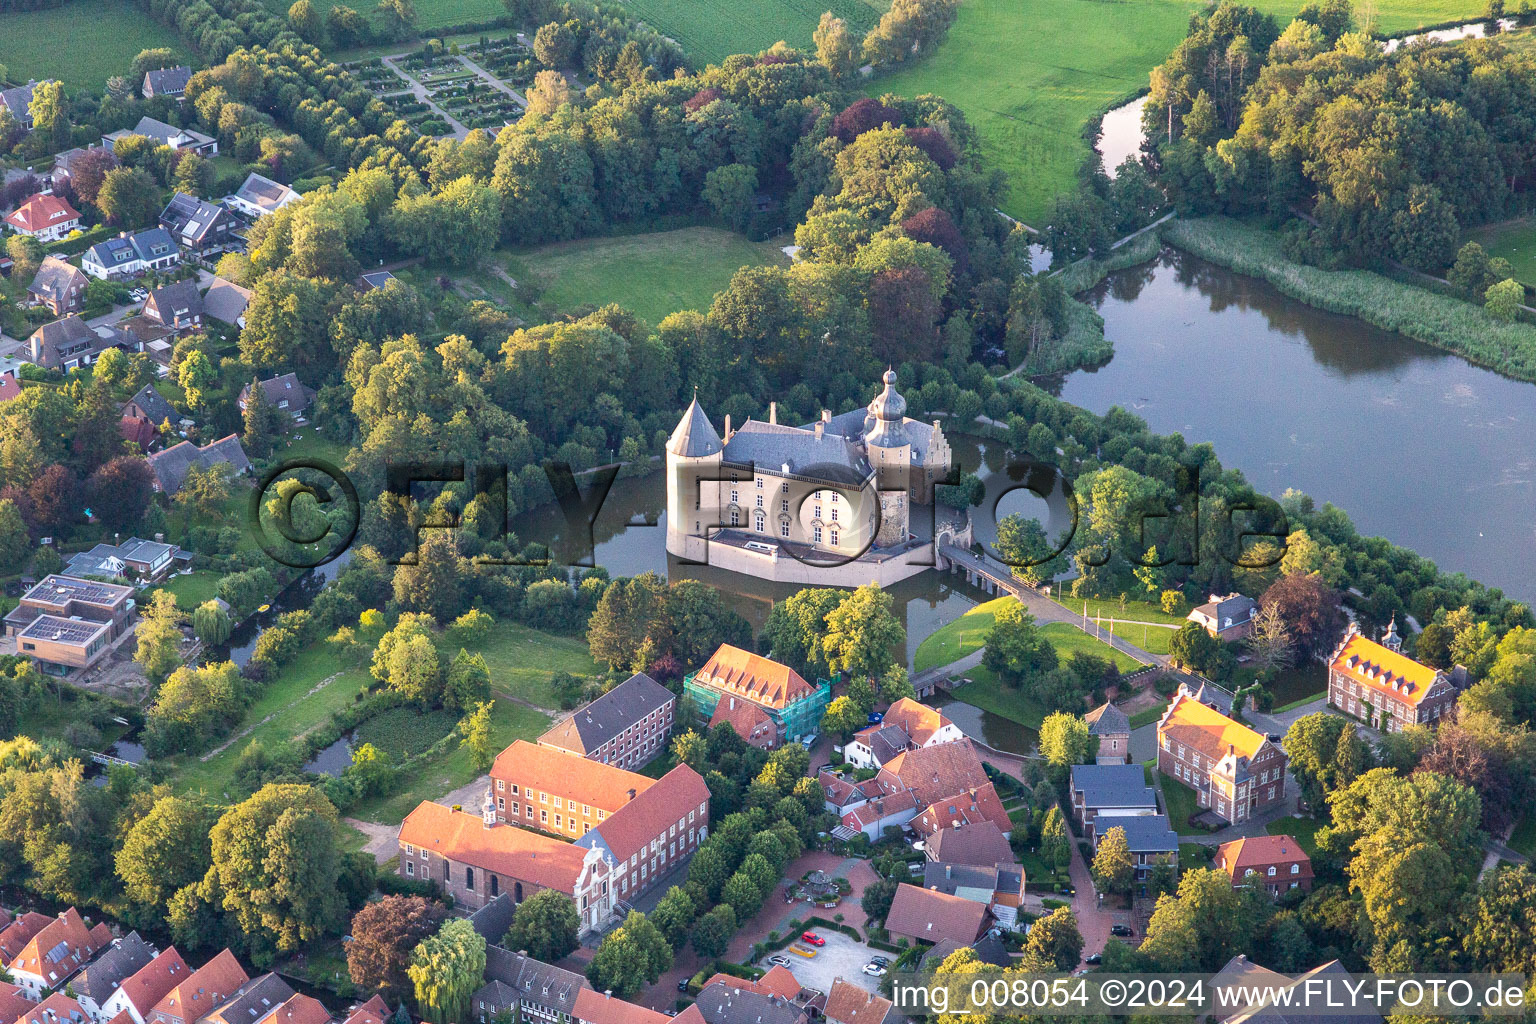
(1386, 689)
(1233, 770)
(1277, 863)
(627, 726)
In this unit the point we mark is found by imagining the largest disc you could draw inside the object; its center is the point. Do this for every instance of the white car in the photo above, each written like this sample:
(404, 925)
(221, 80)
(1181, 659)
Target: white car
(874, 970)
(779, 961)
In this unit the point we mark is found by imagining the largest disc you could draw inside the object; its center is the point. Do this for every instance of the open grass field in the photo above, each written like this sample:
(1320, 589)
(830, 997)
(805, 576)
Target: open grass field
(987, 692)
(82, 43)
(1180, 802)
(192, 589)
(1515, 240)
(1068, 640)
(1523, 838)
(523, 660)
(653, 274)
(959, 637)
(1303, 830)
(430, 14)
(713, 29)
(1110, 608)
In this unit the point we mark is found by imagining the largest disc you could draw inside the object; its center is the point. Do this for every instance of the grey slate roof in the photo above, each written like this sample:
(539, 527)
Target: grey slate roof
(1237, 608)
(694, 436)
(724, 1003)
(493, 920)
(607, 716)
(776, 448)
(257, 999)
(177, 300)
(885, 743)
(191, 218)
(284, 388)
(18, 100)
(950, 878)
(153, 404)
(1107, 720)
(165, 134)
(167, 81)
(149, 245)
(93, 562)
(512, 977)
(122, 959)
(1144, 833)
(1113, 785)
(262, 191)
(172, 465)
(54, 279)
(55, 343)
(226, 301)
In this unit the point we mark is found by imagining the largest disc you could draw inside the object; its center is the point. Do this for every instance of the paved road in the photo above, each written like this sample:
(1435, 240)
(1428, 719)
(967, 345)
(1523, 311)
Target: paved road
(494, 82)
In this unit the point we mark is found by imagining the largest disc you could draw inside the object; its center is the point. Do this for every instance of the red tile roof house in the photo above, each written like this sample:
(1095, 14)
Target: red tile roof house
(750, 722)
(850, 1004)
(103, 977)
(1276, 862)
(56, 1009)
(45, 217)
(627, 726)
(138, 995)
(645, 826)
(594, 1007)
(907, 725)
(13, 1001)
(1233, 770)
(56, 952)
(198, 995)
(924, 915)
(20, 931)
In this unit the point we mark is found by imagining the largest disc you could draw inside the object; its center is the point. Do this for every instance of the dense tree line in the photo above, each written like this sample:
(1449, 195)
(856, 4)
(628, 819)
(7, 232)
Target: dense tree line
(1386, 155)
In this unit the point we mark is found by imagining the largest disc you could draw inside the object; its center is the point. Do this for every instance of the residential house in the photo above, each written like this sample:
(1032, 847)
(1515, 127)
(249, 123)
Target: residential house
(19, 932)
(729, 1002)
(526, 990)
(71, 343)
(1234, 771)
(46, 217)
(779, 982)
(195, 224)
(373, 279)
(999, 887)
(64, 164)
(285, 392)
(171, 466)
(627, 726)
(59, 286)
(148, 251)
(177, 306)
(10, 388)
(149, 404)
(66, 623)
(926, 915)
(19, 102)
(1150, 840)
(794, 705)
(226, 302)
(135, 557)
(56, 952)
(476, 858)
(989, 949)
(374, 1011)
(1383, 687)
(1109, 791)
(949, 784)
(170, 82)
(1226, 618)
(643, 827)
(907, 725)
(593, 1007)
(1240, 976)
(1278, 863)
(979, 843)
(852, 1004)
(138, 995)
(973, 807)
(268, 999)
(103, 977)
(58, 1008)
(259, 196)
(163, 134)
(13, 1002)
(750, 721)
(1110, 726)
(197, 995)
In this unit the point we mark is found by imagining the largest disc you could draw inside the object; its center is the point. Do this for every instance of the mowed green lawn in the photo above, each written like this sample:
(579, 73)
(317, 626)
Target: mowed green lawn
(653, 274)
(713, 29)
(82, 43)
(959, 637)
(1515, 240)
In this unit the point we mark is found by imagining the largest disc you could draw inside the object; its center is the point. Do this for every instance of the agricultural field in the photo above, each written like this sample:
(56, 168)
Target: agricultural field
(83, 43)
(652, 274)
(714, 29)
(1515, 240)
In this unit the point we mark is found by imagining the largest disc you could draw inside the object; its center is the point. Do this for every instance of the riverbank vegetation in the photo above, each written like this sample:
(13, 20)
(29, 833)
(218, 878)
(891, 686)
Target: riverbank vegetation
(1436, 319)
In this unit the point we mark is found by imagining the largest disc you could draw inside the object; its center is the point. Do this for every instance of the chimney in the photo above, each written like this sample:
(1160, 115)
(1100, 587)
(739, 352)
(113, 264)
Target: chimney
(631, 794)
(607, 993)
(949, 871)
(826, 415)
(821, 426)
(727, 426)
(773, 413)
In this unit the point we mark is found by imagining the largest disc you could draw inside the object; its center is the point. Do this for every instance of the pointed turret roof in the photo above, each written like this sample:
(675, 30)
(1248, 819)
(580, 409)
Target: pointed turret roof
(695, 436)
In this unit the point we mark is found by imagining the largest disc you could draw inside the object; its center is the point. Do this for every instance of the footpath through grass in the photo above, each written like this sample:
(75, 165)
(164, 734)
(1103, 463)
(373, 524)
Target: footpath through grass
(82, 43)
(968, 634)
(651, 274)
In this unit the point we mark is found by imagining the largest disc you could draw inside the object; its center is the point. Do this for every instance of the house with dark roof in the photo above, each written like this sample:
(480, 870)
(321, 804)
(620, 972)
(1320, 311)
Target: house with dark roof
(142, 559)
(1226, 618)
(1240, 977)
(285, 392)
(128, 255)
(137, 995)
(170, 82)
(226, 302)
(149, 404)
(19, 102)
(1000, 887)
(258, 196)
(373, 279)
(926, 915)
(71, 343)
(1150, 840)
(177, 306)
(196, 224)
(627, 726)
(729, 1002)
(1112, 728)
(59, 286)
(525, 989)
(1109, 791)
(46, 217)
(67, 622)
(104, 976)
(163, 134)
(980, 842)
(171, 466)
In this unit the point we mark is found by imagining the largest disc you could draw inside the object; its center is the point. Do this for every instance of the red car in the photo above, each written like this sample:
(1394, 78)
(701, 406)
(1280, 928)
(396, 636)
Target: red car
(812, 939)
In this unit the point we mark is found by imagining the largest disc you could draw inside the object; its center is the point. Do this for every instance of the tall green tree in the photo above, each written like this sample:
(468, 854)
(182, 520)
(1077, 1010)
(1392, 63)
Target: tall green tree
(631, 956)
(446, 970)
(545, 924)
(1113, 869)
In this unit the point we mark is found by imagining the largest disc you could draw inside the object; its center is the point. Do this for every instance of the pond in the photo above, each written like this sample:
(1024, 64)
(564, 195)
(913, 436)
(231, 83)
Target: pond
(1121, 134)
(1416, 444)
(994, 730)
(334, 759)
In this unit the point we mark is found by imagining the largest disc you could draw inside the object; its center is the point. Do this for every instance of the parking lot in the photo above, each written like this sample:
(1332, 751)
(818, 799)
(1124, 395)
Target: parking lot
(841, 957)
